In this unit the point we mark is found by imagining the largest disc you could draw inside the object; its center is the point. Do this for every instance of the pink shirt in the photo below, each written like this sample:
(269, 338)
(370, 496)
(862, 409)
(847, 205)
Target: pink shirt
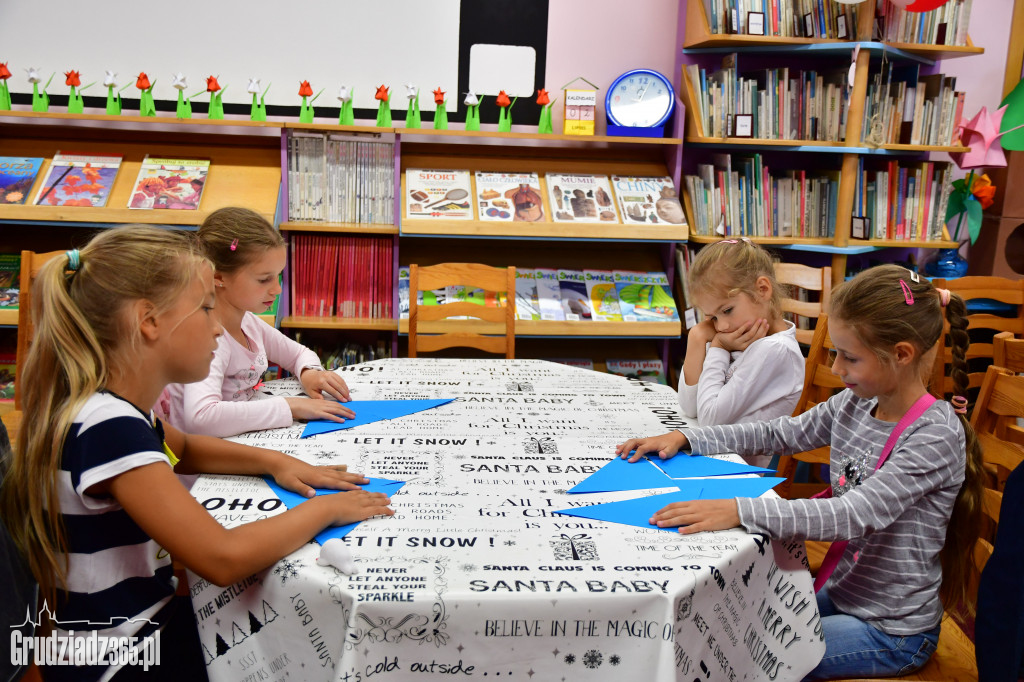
(222, 404)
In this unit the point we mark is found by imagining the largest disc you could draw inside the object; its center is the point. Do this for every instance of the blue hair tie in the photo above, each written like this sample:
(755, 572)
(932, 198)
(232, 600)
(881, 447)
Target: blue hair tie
(74, 260)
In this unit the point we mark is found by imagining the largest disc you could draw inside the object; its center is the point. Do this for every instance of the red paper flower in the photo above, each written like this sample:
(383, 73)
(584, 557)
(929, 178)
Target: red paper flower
(382, 93)
(142, 82)
(542, 97)
(305, 89)
(983, 190)
(439, 95)
(4, 71)
(211, 84)
(503, 100)
(72, 78)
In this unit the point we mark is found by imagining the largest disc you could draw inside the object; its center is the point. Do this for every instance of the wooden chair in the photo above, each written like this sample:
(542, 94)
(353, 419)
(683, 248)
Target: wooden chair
(31, 262)
(809, 279)
(447, 333)
(1000, 404)
(972, 288)
(819, 385)
(1008, 352)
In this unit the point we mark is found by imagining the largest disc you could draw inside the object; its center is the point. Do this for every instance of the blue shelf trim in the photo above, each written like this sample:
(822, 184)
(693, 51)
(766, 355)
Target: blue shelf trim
(815, 49)
(825, 248)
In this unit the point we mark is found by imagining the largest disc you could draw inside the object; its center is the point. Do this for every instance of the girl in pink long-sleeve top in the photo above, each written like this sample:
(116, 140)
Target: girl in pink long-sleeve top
(249, 256)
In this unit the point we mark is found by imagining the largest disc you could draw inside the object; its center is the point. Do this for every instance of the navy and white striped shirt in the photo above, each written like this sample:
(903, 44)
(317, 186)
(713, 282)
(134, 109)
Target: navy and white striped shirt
(895, 518)
(118, 578)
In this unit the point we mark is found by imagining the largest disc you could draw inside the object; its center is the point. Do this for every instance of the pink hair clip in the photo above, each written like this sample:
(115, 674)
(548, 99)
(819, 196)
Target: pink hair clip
(959, 404)
(234, 243)
(944, 295)
(907, 293)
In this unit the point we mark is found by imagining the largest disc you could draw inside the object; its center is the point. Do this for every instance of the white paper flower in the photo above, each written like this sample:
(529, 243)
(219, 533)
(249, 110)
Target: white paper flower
(254, 86)
(109, 80)
(335, 553)
(33, 75)
(411, 91)
(344, 93)
(471, 100)
(180, 82)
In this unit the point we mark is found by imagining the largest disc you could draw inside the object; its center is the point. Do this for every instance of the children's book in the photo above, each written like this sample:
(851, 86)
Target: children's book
(169, 183)
(438, 194)
(403, 292)
(78, 180)
(509, 197)
(644, 370)
(648, 201)
(581, 198)
(10, 273)
(645, 296)
(604, 302)
(582, 363)
(17, 175)
(527, 305)
(572, 287)
(549, 295)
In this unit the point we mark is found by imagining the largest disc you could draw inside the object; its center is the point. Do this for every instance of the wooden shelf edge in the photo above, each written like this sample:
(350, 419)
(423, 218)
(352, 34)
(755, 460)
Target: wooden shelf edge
(493, 134)
(9, 317)
(546, 230)
(308, 322)
(356, 228)
(913, 243)
(817, 241)
(558, 328)
(108, 216)
(107, 118)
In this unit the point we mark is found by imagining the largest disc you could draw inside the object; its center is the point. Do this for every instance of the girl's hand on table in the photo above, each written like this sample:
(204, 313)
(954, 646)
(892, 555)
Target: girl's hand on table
(295, 475)
(313, 408)
(318, 381)
(664, 445)
(357, 505)
(698, 515)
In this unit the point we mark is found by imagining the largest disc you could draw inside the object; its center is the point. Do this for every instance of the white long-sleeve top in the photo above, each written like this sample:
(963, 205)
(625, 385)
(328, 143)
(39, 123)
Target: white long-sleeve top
(762, 382)
(221, 405)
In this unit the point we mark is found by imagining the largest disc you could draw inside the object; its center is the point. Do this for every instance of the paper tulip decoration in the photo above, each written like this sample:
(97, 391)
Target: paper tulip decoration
(258, 110)
(73, 79)
(306, 112)
(40, 100)
(440, 110)
(544, 100)
(216, 98)
(472, 103)
(505, 112)
(383, 109)
(179, 82)
(113, 96)
(1012, 126)
(347, 116)
(5, 93)
(412, 112)
(146, 105)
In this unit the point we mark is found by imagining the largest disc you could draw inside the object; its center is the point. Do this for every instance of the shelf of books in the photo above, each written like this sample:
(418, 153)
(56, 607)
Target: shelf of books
(166, 178)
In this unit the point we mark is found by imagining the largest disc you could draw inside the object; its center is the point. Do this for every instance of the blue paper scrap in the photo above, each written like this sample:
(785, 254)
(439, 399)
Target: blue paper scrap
(618, 474)
(638, 512)
(292, 499)
(369, 411)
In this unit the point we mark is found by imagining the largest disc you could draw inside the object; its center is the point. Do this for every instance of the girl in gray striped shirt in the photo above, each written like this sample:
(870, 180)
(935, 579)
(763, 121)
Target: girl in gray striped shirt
(910, 523)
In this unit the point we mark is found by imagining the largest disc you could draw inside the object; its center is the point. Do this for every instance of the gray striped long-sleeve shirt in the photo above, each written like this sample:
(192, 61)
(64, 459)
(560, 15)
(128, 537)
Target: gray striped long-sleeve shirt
(895, 518)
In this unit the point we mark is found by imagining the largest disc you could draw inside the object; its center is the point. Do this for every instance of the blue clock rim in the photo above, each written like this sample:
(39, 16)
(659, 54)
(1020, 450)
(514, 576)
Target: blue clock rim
(649, 72)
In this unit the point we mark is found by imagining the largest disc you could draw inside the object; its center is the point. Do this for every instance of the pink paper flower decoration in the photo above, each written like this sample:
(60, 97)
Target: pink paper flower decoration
(981, 134)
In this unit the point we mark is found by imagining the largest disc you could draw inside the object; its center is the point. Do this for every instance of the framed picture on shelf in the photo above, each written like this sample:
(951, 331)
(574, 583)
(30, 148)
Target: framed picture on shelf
(744, 125)
(841, 31)
(755, 23)
(860, 227)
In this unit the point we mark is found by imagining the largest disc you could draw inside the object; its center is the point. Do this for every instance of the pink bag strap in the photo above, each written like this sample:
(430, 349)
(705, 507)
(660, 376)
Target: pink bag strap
(835, 551)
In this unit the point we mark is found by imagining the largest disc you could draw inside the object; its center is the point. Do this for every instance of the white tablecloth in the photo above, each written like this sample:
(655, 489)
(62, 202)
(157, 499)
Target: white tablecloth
(475, 576)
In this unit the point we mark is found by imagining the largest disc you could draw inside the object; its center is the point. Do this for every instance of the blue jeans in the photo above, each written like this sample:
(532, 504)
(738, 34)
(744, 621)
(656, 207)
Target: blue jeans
(855, 649)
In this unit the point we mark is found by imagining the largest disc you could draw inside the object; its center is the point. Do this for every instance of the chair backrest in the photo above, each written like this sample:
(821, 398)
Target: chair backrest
(805, 279)
(820, 383)
(1000, 404)
(31, 263)
(1008, 352)
(494, 329)
(1002, 290)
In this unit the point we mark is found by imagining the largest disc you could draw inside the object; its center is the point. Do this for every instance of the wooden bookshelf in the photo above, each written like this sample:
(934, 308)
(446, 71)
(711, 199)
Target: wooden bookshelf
(348, 323)
(341, 228)
(558, 328)
(819, 241)
(546, 230)
(9, 317)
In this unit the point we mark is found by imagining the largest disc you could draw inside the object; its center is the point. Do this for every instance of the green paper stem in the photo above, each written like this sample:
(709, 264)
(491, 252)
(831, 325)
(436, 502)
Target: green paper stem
(265, 92)
(970, 179)
(198, 93)
(441, 117)
(49, 81)
(121, 89)
(316, 95)
(5, 96)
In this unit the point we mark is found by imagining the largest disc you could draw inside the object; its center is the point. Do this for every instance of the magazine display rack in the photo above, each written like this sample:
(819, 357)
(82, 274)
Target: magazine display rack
(698, 39)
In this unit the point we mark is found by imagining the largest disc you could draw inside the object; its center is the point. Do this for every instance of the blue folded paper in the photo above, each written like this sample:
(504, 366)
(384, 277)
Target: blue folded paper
(369, 411)
(292, 499)
(638, 512)
(618, 474)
